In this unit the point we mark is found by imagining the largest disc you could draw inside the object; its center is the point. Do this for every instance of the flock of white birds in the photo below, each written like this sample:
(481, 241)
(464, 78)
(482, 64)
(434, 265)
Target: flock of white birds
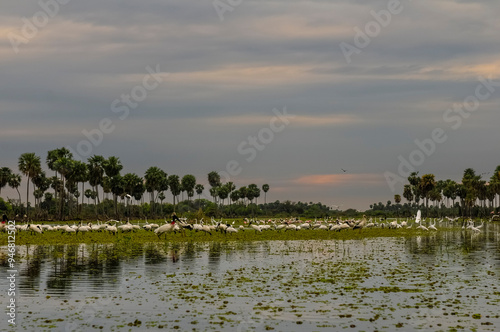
(257, 225)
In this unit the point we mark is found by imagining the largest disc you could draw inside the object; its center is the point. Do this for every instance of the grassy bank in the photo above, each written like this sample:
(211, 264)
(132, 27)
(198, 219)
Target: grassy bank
(142, 236)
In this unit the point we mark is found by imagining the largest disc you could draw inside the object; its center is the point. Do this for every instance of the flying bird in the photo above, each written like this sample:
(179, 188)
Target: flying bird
(343, 170)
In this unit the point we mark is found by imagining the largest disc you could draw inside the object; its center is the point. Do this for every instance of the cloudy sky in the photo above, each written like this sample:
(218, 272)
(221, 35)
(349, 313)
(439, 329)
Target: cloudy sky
(361, 91)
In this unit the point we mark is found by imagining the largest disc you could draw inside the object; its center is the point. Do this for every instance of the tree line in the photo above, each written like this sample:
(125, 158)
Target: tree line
(472, 197)
(103, 175)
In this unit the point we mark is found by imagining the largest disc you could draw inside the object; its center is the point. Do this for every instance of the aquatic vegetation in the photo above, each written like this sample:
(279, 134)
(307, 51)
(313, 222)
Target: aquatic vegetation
(446, 280)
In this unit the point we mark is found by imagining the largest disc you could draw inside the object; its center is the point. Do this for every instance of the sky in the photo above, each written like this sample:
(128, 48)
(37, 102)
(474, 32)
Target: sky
(285, 92)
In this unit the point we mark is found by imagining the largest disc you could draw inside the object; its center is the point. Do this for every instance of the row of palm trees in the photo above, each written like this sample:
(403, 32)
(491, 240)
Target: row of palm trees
(104, 175)
(471, 192)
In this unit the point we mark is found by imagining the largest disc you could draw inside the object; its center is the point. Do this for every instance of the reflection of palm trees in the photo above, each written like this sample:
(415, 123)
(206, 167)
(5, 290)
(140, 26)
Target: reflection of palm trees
(214, 254)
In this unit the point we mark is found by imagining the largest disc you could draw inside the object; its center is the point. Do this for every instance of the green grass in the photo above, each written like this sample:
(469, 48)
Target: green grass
(142, 236)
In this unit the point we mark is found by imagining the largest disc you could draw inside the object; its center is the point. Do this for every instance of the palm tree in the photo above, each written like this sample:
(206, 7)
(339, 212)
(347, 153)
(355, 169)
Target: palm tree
(427, 184)
(139, 190)
(265, 189)
(188, 183)
(106, 185)
(15, 183)
(407, 193)
(5, 174)
(175, 186)
(199, 190)
(235, 195)
(214, 181)
(63, 166)
(52, 157)
(243, 193)
(449, 190)
(461, 192)
(213, 192)
(230, 188)
(80, 174)
(161, 197)
(116, 186)
(397, 200)
(88, 194)
(254, 191)
(41, 183)
(491, 193)
(222, 193)
(414, 181)
(156, 181)
(96, 174)
(471, 182)
(112, 167)
(495, 182)
(29, 164)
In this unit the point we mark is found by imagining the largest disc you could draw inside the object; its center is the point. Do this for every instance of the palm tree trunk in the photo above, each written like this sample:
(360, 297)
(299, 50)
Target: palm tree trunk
(83, 190)
(27, 193)
(19, 194)
(61, 207)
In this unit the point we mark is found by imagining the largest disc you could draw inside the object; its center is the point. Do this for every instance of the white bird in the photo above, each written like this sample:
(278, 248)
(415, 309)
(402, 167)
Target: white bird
(423, 227)
(256, 227)
(344, 226)
(361, 223)
(35, 228)
(279, 227)
(222, 227)
(419, 217)
(68, 229)
(433, 227)
(112, 229)
(164, 229)
(206, 229)
(475, 229)
(85, 228)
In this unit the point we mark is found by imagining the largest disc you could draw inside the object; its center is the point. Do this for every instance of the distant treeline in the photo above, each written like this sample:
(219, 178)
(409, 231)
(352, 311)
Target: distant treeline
(97, 189)
(473, 197)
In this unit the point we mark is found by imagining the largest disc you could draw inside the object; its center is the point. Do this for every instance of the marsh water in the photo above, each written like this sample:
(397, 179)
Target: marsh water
(445, 280)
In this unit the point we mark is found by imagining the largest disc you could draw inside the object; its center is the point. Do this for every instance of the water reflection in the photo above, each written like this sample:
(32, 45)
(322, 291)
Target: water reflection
(245, 273)
(64, 268)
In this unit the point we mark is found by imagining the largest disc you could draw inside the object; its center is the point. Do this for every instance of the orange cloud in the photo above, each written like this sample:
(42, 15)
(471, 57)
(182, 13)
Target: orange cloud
(297, 120)
(340, 179)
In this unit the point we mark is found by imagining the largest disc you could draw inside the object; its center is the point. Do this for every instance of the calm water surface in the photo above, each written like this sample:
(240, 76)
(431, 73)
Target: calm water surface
(446, 280)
